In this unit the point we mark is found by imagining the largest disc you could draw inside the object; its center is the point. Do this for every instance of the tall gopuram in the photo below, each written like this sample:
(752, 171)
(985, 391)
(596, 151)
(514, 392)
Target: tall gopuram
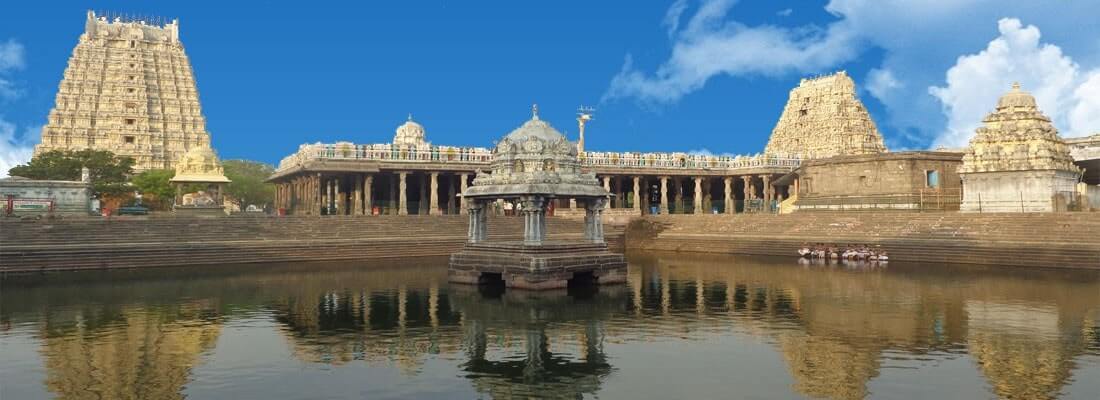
(1017, 162)
(824, 118)
(129, 89)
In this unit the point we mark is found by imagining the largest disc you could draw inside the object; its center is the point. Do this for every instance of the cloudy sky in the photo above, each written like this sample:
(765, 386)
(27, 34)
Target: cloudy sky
(705, 76)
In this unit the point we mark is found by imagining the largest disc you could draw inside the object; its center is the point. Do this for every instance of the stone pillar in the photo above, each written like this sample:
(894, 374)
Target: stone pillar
(393, 193)
(316, 200)
(534, 220)
(357, 205)
(402, 206)
(748, 189)
(767, 191)
(607, 186)
(476, 230)
(593, 221)
(708, 204)
(729, 194)
(422, 205)
(340, 204)
(451, 196)
(664, 195)
(462, 200)
(678, 187)
(368, 195)
(326, 198)
(433, 203)
(698, 195)
(637, 197)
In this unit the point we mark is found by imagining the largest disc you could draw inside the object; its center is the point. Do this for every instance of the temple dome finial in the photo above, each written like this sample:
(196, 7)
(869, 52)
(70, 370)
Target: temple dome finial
(1016, 97)
(535, 111)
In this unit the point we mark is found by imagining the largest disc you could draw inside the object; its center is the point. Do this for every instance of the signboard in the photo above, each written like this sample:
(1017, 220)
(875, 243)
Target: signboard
(28, 206)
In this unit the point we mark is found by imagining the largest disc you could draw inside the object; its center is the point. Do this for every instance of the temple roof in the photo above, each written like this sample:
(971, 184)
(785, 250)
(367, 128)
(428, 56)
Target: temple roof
(535, 159)
(410, 134)
(1016, 98)
(200, 165)
(1017, 137)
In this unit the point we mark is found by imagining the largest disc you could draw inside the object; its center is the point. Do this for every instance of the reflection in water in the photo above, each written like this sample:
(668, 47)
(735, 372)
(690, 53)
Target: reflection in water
(144, 334)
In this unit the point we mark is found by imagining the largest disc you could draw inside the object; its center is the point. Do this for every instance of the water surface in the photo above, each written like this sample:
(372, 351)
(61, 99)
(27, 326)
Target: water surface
(683, 327)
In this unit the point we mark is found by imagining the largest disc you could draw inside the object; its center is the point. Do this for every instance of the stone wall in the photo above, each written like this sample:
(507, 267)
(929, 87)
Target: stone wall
(881, 181)
(69, 197)
(1019, 191)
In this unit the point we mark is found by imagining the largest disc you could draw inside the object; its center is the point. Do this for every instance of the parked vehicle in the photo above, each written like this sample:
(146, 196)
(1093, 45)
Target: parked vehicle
(136, 209)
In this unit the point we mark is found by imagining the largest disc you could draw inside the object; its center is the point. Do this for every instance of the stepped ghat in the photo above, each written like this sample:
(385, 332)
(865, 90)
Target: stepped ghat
(1052, 240)
(129, 89)
(72, 244)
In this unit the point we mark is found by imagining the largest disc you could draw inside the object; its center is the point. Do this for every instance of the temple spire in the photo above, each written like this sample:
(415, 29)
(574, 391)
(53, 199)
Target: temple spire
(535, 111)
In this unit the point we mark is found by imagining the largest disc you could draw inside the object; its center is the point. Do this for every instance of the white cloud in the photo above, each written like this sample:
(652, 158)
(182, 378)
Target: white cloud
(11, 58)
(672, 16)
(14, 150)
(976, 81)
(880, 82)
(709, 45)
(917, 40)
(706, 152)
(11, 55)
(785, 12)
(1084, 116)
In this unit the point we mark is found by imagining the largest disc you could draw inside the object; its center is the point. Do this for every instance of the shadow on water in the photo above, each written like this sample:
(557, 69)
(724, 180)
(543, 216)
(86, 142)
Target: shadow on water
(145, 333)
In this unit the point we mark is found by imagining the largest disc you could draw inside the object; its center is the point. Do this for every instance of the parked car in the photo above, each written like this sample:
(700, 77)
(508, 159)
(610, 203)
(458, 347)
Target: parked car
(136, 209)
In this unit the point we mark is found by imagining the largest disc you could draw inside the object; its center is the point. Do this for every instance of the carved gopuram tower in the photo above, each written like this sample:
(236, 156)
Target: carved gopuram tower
(824, 118)
(128, 89)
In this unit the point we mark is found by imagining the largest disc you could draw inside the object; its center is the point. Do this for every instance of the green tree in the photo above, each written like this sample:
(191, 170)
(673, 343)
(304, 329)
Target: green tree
(248, 182)
(109, 172)
(155, 188)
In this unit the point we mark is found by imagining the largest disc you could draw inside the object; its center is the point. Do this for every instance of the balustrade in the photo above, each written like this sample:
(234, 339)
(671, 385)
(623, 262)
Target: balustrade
(449, 154)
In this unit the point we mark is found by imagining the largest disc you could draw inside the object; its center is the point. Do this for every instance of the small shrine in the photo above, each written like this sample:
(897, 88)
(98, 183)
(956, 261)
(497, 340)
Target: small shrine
(1016, 161)
(534, 165)
(200, 183)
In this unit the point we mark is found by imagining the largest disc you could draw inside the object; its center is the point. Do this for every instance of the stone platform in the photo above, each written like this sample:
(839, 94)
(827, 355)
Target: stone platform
(550, 265)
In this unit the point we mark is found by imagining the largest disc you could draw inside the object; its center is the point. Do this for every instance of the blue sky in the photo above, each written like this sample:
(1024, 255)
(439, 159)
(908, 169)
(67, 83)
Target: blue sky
(664, 75)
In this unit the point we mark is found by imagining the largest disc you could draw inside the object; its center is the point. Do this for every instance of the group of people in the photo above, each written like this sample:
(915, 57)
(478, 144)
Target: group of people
(850, 252)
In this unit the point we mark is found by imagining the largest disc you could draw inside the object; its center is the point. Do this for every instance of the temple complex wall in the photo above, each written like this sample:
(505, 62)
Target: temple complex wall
(128, 88)
(919, 180)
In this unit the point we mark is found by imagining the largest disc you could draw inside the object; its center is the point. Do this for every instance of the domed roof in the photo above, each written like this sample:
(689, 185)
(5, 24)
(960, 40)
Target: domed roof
(1016, 98)
(200, 164)
(535, 159)
(536, 128)
(410, 134)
